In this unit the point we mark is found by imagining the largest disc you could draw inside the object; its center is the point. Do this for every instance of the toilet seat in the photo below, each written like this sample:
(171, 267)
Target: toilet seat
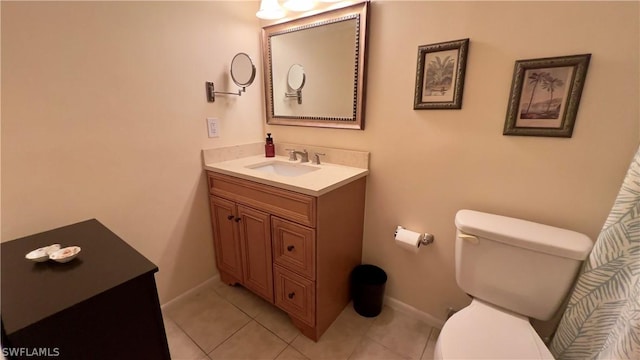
(483, 331)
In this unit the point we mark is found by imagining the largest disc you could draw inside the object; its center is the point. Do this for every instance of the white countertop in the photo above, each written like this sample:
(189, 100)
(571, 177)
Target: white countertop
(315, 183)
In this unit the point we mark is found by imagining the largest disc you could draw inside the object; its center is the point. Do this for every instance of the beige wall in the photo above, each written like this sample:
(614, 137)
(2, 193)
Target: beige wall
(104, 116)
(427, 164)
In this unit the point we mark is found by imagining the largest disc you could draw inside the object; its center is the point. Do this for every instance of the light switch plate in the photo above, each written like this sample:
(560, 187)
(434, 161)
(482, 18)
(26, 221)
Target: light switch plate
(212, 127)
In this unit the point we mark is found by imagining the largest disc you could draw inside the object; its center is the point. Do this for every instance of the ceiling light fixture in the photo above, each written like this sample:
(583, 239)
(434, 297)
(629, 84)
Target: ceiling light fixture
(270, 10)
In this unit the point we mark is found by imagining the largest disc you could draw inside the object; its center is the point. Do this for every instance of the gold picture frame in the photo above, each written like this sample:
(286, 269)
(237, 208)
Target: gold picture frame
(545, 94)
(440, 75)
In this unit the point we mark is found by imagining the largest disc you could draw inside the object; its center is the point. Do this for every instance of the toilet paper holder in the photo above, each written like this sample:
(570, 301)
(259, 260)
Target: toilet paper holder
(425, 238)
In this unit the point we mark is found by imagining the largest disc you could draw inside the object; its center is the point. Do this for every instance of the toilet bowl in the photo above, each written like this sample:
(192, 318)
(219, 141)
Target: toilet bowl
(514, 270)
(483, 331)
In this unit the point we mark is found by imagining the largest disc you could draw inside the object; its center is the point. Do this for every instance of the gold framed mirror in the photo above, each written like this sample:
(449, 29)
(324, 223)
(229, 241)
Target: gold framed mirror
(331, 47)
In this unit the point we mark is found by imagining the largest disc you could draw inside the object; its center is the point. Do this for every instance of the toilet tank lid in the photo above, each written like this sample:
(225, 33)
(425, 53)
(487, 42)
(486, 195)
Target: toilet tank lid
(526, 234)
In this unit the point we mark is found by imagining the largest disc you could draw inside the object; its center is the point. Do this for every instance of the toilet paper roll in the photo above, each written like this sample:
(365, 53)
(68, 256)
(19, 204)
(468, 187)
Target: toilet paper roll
(408, 240)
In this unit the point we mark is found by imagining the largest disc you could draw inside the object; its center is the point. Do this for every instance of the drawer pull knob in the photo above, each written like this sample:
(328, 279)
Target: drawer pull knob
(290, 248)
(230, 217)
(291, 295)
(238, 219)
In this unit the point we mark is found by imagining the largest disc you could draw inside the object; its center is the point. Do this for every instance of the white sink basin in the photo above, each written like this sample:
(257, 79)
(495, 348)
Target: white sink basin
(283, 168)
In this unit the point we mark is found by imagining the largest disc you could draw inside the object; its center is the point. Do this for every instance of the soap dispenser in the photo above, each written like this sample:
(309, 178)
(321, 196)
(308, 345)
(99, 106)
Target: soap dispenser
(269, 148)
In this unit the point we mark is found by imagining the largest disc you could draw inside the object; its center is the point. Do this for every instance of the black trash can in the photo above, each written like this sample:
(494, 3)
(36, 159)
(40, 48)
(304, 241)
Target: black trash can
(367, 289)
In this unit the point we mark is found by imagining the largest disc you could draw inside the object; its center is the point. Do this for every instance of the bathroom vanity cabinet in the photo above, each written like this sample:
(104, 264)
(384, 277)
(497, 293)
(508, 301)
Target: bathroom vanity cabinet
(294, 250)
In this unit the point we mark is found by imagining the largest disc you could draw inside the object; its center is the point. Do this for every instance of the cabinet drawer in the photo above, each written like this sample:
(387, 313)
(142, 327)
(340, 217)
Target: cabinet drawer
(295, 295)
(294, 247)
(291, 205)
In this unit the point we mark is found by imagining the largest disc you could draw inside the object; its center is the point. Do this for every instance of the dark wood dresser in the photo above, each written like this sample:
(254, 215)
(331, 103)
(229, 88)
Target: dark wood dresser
(101, 305)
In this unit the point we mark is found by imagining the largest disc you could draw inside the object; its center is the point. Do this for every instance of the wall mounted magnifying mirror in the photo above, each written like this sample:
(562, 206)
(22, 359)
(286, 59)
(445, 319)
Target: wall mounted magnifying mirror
(243, 72)
(295, 81)
(332, 47)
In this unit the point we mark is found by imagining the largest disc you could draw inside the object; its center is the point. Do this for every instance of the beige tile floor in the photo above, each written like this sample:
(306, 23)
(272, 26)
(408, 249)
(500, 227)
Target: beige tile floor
(229, 322)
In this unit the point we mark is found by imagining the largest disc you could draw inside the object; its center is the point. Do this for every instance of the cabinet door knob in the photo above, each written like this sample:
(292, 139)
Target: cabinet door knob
(238, 219)
(230, 217)
(290, 248)
(291, 295)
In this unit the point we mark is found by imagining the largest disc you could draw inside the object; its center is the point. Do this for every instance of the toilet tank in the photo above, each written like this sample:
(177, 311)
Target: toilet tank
(518, 265)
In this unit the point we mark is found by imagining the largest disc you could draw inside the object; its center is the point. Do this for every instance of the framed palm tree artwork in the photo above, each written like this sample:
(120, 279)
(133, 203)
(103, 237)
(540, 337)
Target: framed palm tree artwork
(440, 75)
(545, 94)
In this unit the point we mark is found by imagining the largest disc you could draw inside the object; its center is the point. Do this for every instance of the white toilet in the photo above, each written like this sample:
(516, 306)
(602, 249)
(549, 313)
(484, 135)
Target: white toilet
(514, 269)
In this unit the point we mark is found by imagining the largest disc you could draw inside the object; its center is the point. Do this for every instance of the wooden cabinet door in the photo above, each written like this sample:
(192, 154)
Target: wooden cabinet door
(226, 241)
(294, 247)
(255, 240)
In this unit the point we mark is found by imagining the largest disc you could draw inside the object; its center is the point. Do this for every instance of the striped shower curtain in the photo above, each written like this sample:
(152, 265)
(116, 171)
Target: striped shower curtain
(602, 320)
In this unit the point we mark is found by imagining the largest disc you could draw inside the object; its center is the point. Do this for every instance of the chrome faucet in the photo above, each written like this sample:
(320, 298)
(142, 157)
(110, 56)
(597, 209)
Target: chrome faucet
(304, 155)
(316, 157)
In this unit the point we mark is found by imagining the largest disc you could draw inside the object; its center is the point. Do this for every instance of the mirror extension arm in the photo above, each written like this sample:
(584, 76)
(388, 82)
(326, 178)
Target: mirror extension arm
(297, 94)
(211, 97)
(242, 72)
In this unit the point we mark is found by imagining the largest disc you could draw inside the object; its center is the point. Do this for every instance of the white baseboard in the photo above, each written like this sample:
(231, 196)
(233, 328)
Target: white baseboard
(413, 312)
(193, 290)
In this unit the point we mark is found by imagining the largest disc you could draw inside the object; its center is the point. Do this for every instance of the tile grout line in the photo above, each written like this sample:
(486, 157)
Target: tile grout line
(249, 316)
(285, 349)
(357, 346)
(404, 356)
(254, 318)
(276, 335)
(281, 351)
(228, 337)
(240, 328)
(188, 336)
(364, 335)
(426, 344)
